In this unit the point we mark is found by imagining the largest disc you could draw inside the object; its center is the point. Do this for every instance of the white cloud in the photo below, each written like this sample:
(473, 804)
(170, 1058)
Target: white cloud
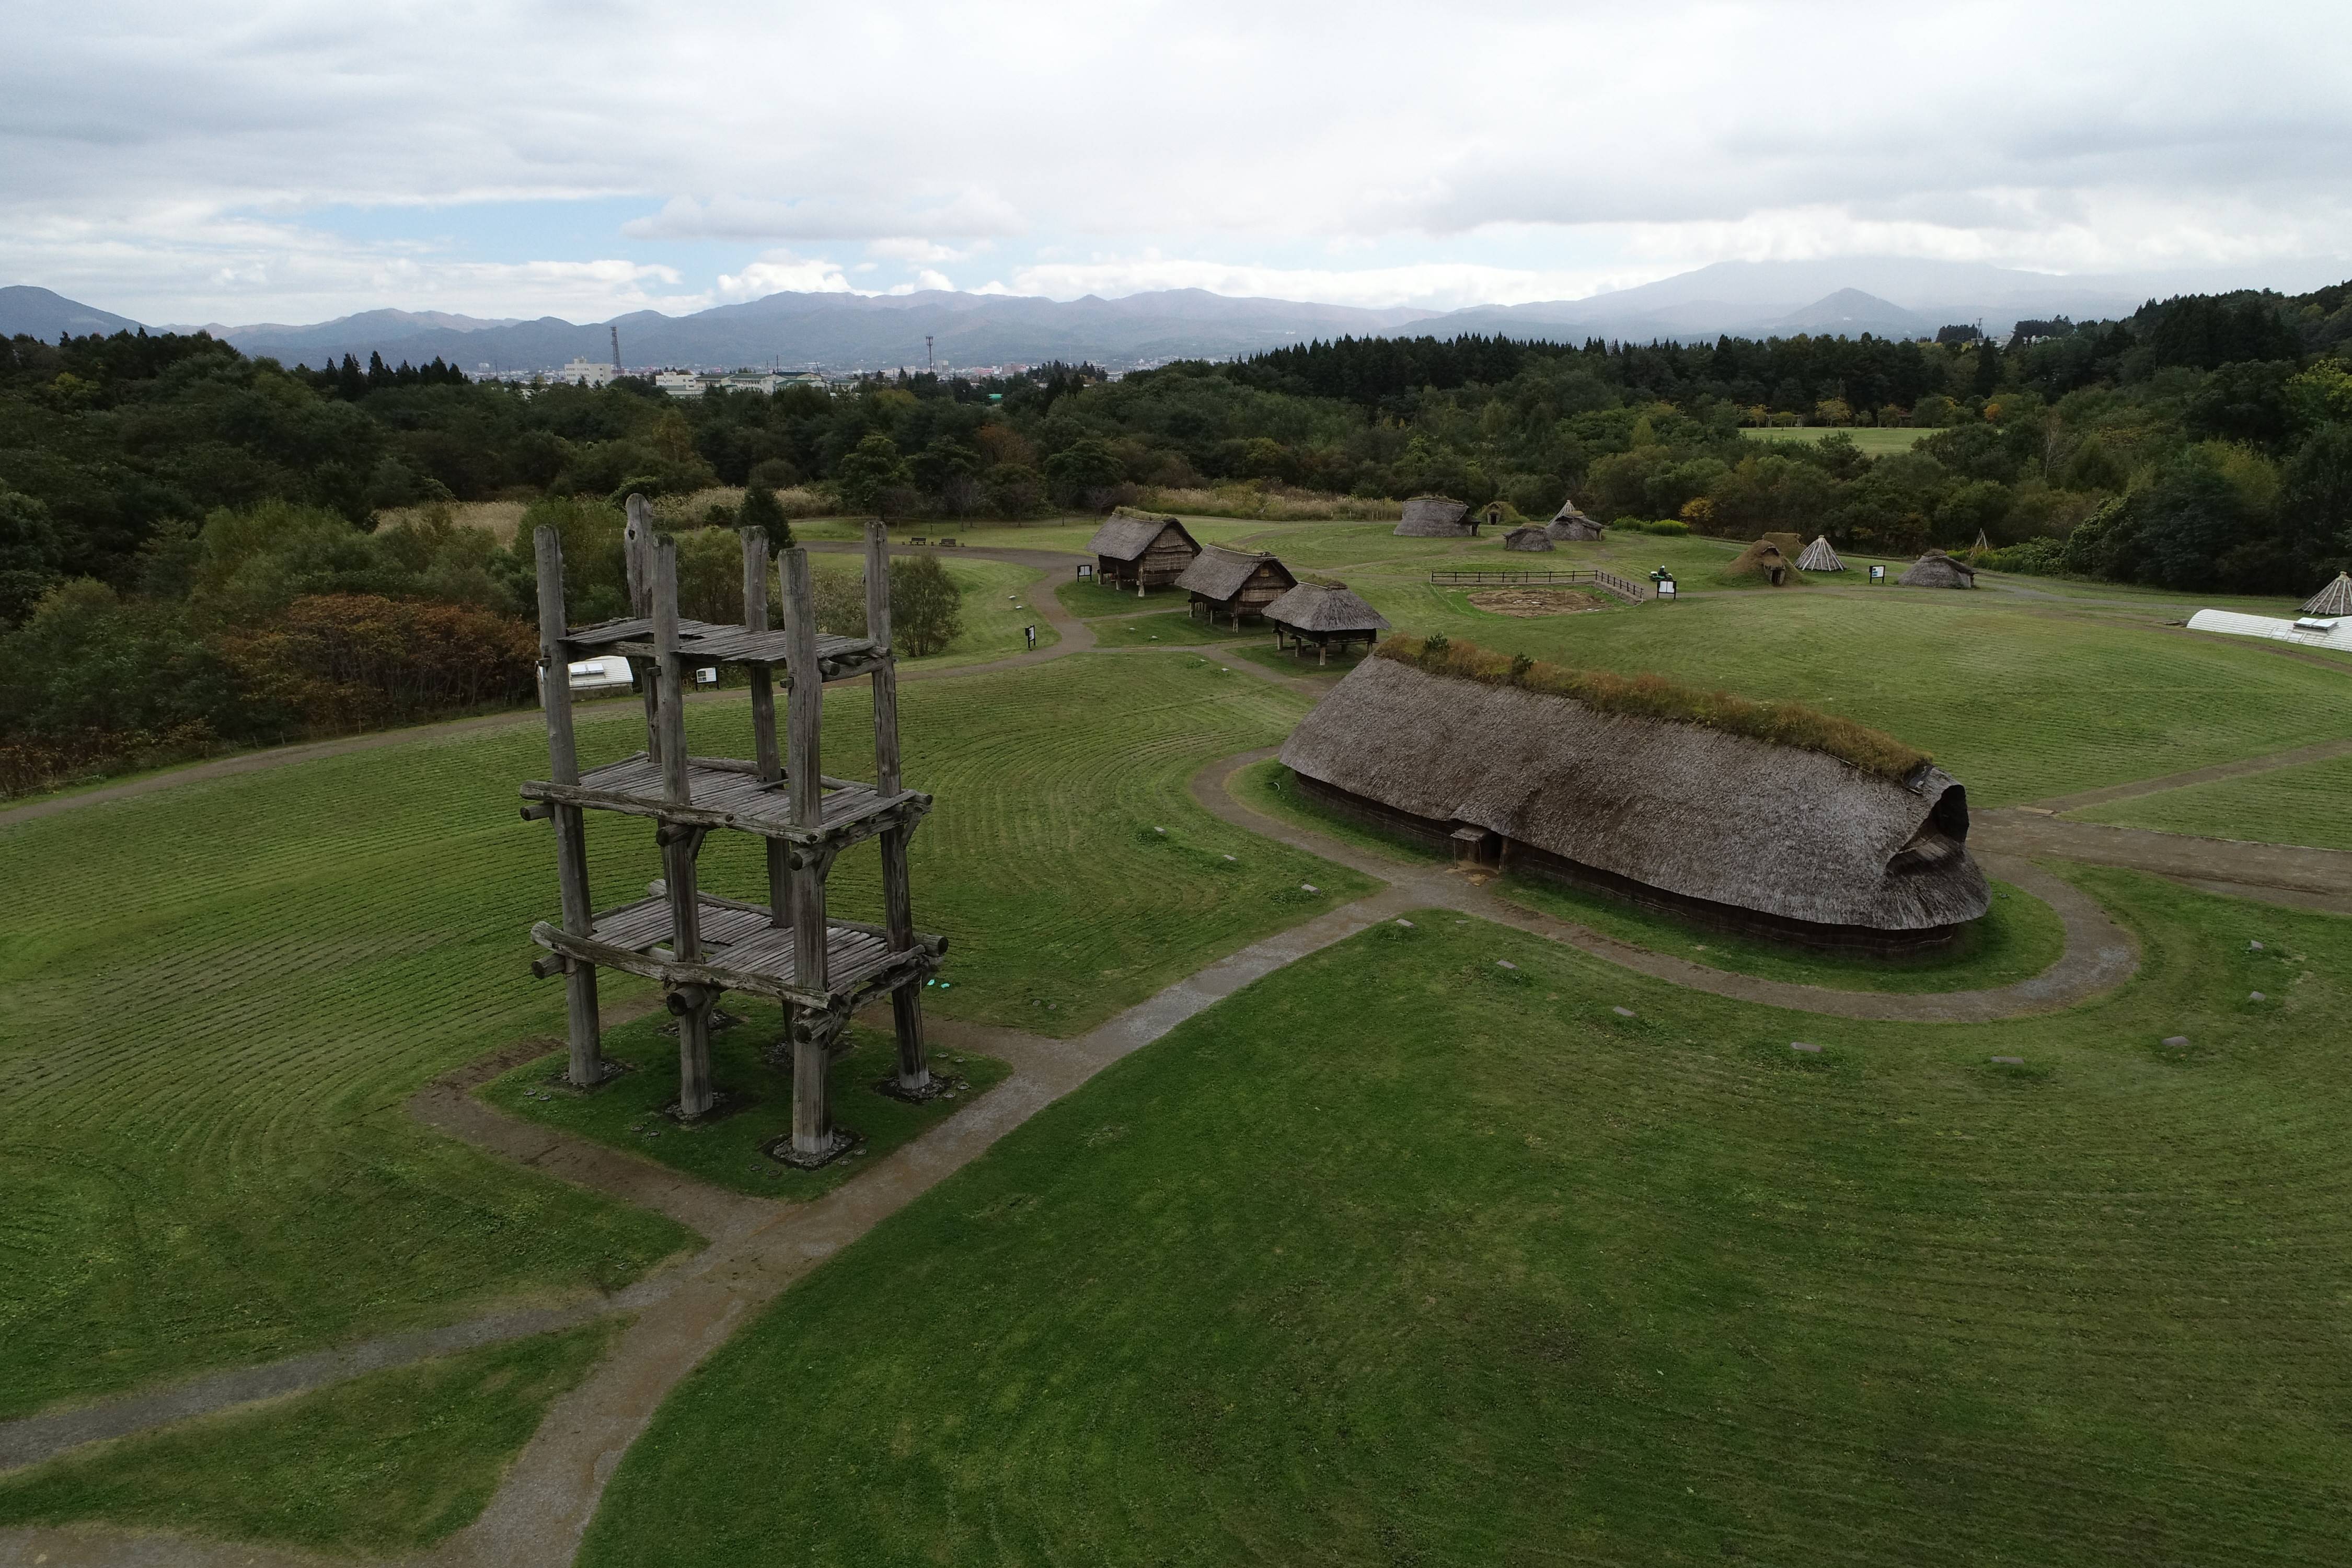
(780, 271)
(966, 215)
(912, 251)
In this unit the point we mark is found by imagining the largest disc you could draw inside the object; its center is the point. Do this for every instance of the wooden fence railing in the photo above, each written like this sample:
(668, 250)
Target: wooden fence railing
(1608, 582)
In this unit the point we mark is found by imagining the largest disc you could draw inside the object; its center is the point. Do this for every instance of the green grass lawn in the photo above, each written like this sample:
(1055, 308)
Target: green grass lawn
(756, 1097)
(1089, 599)
(206, 1050)
(996, 606)
(392, 1461)
(1876, 443)
(1172, 630)
(2019, 938)
(2309, 805)
(1402, 1257)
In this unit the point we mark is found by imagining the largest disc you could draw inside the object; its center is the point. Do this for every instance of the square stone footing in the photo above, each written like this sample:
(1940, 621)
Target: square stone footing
(843, 1140)
(610, 1069)
(723, 1104)
(942, 1083)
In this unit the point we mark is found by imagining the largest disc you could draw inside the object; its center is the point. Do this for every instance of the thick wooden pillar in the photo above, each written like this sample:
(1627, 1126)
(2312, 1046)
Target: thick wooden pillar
(766, 755)
(805, 720)
(583, 1031)
(679, 846)
(898, 896)
(637, 560)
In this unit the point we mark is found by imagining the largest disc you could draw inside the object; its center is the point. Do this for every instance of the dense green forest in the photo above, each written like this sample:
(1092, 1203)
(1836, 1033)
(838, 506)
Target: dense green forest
(190, 555)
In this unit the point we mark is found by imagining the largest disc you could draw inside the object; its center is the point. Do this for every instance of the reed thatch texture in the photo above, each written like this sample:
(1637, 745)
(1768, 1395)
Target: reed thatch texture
(1938, 569)
(1126, 535)
(1434, 517)
(1535, 536)
(2336, 599)
(1820, 557)
(1236, 583)
(1313, 608)
(1764, 559)
(1570, 523)
(1719, 818)
(1137, 550)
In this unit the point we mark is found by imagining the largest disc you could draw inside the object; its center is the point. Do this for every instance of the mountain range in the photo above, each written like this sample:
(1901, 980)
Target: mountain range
(1887, 296)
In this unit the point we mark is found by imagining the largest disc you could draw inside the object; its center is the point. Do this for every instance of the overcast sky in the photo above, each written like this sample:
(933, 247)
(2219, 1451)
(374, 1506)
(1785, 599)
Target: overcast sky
(195, 162)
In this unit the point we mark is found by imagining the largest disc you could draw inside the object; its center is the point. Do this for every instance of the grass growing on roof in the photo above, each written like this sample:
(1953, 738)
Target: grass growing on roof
(205, 1054)
(729, 1151)
(2310, 803)
(392, 1461)
(1399, 1254)
(1656, 697)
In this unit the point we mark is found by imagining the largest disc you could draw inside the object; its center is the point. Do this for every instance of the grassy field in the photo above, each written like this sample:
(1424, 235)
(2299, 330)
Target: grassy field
(1402, 1257)
(206, 1050)
(389, 1462)
(756, 1097)
(2308, 804)
(1173, 629)
(1876, 443)
(996, 606)
(2019, 938)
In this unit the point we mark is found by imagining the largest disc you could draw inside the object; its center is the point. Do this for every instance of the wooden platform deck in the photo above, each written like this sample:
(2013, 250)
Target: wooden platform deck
(743, 952)
(724, 792)
(704, 643)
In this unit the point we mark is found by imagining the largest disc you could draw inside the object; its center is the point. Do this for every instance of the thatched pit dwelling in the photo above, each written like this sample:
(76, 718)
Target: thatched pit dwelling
(1572, 525)
(1234, 582)
(1938, 569)
(1715, 826)
(1765, 558)
(1136, 549)
(1435, 517)
(1322, 615)
(1820, 557)
(1532, 537)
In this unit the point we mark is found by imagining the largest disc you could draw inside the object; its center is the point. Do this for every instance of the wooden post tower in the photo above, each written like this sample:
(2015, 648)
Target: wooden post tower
(698, 945)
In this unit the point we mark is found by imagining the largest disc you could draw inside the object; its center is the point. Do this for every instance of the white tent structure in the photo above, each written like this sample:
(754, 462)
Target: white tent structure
(2311, 631)
(1820, 557)
(2333, 600)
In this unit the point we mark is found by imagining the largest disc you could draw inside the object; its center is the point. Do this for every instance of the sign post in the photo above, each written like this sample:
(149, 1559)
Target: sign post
(1878, 573)
(1031, 631)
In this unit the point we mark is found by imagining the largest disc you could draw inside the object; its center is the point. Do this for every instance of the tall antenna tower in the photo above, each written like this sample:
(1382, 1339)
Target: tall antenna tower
(616, 348)
(928, 363)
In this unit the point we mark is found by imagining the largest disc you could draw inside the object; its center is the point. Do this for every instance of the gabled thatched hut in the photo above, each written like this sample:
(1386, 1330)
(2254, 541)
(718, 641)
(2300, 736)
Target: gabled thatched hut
(1938, 569)
(1323, 615)
(1570, 523)
(2336, 599)
(1136, 549)
(1435, 517)
(1534, 536)
(1234, 582)
(1820, 557)
(1712, 825)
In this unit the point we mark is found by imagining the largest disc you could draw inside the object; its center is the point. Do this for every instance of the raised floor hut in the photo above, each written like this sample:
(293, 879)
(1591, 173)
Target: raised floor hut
(1534, 536)
(1568, 523)
(2336, 599)
(1234, 583)
(1136, 549)
(1323, 615)
(1724, 828)
(1435, 517)
(1820, 557)
(1938, 569)
(697, 946)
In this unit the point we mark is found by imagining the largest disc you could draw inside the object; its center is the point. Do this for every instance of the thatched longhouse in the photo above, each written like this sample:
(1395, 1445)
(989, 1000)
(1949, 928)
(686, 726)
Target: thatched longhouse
(1820, 557)
(1136, 549)
(1938, 569)
(2333, 600)
(1234, 582)
(1532, 537)
(1435, 517)
(1735, 832)
(1322, 615)
(1570, 523)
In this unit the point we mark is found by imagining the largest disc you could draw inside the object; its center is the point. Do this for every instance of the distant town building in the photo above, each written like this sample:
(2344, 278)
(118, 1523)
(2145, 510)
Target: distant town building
(578, 370)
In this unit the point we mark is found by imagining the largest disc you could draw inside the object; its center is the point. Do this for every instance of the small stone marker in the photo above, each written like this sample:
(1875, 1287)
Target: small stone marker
(1308, 887)
(1160, 830)
(1804, 1045)
(1505, 964)
(2010, 1061)
(1623, 1012)
(2256, 996)
(2254, 947)
(2176, 1042)
(1228, 857)
(1406, 923)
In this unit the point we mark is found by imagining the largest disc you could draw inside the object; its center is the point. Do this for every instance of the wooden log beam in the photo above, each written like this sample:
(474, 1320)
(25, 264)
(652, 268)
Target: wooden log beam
(898, 892)
(812, 1111)
(583, 1028)
(767, 757)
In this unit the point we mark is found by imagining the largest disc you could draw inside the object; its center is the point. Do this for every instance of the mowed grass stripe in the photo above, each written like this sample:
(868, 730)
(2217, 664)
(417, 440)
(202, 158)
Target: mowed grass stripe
(218, 999)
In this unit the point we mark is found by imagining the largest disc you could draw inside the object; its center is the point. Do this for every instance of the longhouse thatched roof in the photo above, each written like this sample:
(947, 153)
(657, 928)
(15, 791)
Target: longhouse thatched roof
(1325, 607)
(2336, 599)
(1938, 569)
(1125, 535)
(1218, 572)
(1434, 517)
(1820, 557)
(1696, 811)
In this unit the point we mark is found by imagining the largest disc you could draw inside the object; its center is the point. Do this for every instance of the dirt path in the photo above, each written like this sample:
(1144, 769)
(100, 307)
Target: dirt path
(2324, 752)
(2276, 873)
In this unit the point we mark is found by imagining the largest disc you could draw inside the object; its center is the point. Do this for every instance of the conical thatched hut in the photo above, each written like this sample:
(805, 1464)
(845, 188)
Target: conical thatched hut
(1534, 536)
(1136, 549)
(2336, 599)
(1234, 582)
(1570, 523)
(1764, 559)
(1435, 517)
(1938, 569)
(1820, 557)
(1712, 825)
(1320, 616)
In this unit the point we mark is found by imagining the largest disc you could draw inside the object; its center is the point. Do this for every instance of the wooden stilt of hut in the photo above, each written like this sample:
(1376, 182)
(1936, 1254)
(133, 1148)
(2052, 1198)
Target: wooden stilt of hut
(696, 945)
(1820, 557)
(1321, 616)
(2333, 601)
(1234, 583)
